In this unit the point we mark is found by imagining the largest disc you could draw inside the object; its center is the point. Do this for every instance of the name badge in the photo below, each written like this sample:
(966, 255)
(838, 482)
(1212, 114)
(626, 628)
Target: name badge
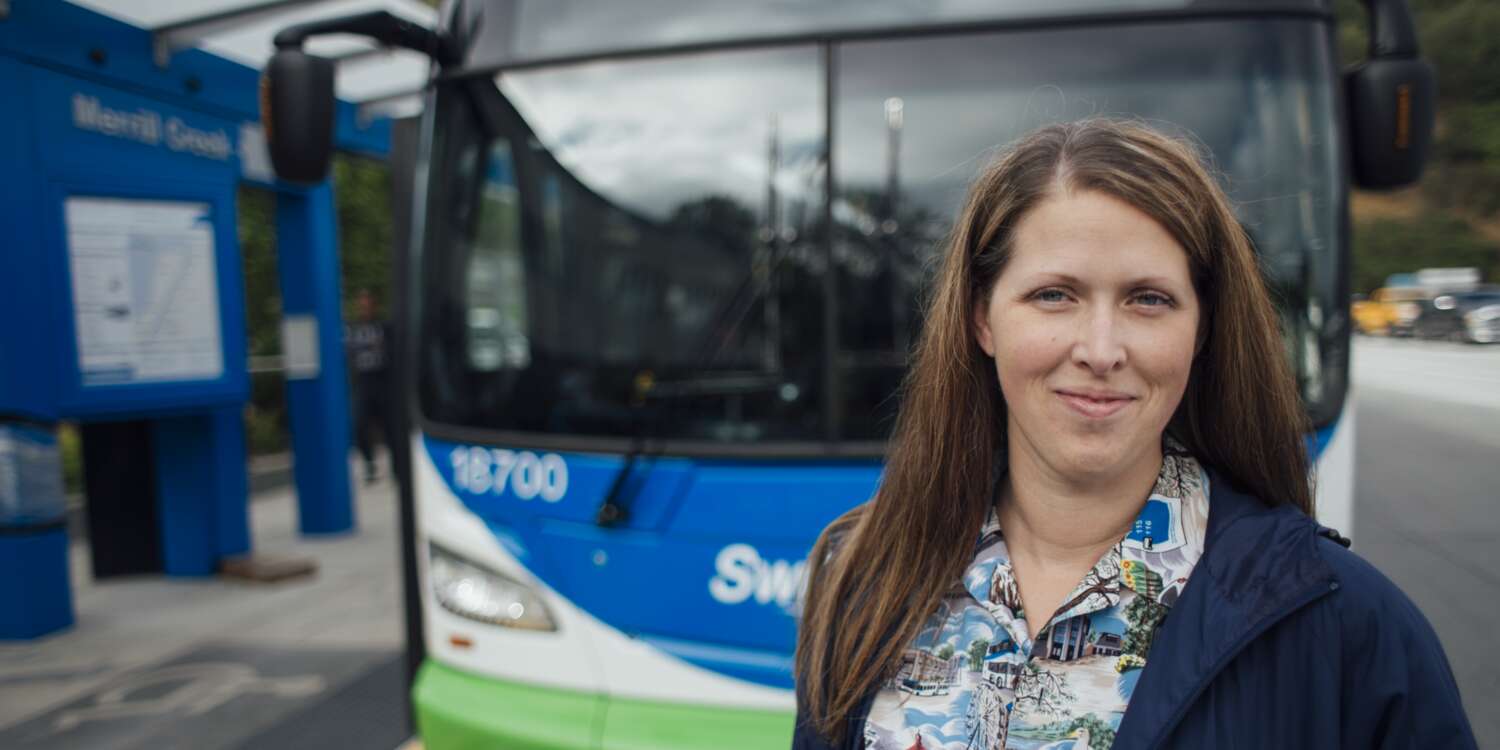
(1157, 528)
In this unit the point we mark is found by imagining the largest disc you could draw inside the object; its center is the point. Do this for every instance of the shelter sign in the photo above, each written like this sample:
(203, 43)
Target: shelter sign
(145, 290)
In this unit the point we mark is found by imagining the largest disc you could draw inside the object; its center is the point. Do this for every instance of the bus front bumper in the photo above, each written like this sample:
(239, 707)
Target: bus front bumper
(458, 710)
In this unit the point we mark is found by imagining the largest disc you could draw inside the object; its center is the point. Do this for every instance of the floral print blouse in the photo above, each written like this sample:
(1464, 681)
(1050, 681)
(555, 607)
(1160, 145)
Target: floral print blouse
(974, 679)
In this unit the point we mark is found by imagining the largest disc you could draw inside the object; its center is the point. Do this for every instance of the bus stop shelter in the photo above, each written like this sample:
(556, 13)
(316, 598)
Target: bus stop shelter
(133, 123)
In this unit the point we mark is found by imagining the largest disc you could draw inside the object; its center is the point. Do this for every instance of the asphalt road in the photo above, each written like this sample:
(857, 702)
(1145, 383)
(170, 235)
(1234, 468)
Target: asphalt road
(1427, 504)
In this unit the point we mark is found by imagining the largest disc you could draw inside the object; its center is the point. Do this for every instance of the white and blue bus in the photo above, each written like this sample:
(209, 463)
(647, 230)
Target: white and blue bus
(665, 272)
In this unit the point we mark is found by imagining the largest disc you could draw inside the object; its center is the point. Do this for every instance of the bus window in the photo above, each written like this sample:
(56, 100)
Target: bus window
(652, 266)
(496, 277)
(917, 118)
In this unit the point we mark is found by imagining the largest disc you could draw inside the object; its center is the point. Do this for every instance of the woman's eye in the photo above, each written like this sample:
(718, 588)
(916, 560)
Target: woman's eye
(1050, 295)
(1153, 299)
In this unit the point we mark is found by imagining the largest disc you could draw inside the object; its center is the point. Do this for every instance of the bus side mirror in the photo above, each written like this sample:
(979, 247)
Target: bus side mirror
(296, 111)
(1392, 101)
(296, 90)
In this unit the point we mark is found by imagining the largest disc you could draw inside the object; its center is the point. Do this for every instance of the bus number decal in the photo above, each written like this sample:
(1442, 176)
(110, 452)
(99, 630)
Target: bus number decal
(489, 470)
(554, 477)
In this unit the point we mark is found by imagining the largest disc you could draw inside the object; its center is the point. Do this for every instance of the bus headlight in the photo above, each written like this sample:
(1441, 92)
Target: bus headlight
(468, 590)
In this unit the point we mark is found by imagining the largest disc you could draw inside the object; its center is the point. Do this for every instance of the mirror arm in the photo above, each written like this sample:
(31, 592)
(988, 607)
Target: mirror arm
(1393, 35)
(382, 26)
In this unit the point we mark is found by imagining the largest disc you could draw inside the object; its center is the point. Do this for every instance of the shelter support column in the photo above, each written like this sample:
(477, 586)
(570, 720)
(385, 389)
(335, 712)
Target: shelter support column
(317, 386)
(36, 597)
(201, 490)
(231, 481)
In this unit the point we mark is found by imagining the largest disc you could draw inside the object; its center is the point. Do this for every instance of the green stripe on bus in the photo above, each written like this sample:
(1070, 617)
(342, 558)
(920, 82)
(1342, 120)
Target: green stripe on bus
(458, 711)
(649, 725)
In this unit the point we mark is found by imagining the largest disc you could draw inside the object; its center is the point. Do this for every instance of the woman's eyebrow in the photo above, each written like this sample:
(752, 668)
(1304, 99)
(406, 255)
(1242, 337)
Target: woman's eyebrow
(1059, 277)
(1151, 281)
(1055, 277)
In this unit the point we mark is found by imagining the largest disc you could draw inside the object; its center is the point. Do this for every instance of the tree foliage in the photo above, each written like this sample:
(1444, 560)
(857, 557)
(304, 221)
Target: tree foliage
(362, 190)
(1462, 40)
(978, 648)
(1432, 239)
(265, 419)
(1141, 618)
(257, 235)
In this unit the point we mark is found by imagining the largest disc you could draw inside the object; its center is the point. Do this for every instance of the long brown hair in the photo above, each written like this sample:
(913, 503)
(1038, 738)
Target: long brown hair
(878, 572)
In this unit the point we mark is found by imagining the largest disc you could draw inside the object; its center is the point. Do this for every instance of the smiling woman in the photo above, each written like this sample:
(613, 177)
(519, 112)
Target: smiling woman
(1093, 329)
(1100, 399)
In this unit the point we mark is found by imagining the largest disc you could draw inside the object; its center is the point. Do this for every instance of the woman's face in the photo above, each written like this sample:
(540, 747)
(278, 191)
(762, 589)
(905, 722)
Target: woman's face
(1093, 325)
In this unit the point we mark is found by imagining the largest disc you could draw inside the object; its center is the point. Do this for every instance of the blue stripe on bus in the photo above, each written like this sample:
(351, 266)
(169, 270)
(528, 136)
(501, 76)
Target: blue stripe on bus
(707, 563)
(1318, 441)
(705, 566)
(763, 667)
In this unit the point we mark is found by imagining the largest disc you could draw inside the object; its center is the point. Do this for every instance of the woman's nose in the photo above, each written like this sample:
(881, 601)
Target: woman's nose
(1099, 346)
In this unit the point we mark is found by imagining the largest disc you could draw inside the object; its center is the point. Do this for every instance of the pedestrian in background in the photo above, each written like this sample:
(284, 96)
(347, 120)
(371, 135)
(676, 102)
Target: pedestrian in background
(366, 340)
(1094, 527)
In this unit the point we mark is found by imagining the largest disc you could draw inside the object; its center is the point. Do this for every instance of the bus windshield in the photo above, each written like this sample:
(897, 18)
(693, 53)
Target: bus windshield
(728, 248)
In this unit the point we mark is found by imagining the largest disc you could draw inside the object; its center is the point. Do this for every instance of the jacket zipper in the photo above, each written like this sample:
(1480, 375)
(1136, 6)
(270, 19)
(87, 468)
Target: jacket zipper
(1255, 632)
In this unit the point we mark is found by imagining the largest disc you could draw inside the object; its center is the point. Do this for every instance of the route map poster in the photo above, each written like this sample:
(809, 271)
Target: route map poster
(145, 290)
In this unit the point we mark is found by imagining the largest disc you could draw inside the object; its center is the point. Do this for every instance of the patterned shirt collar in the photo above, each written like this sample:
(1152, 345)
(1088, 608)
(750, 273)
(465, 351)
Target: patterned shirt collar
(1168, 533)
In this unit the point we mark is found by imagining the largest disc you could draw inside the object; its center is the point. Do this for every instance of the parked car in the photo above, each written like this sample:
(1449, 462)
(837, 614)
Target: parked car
(1367, 315)
(1389, 310)
(1463, 316)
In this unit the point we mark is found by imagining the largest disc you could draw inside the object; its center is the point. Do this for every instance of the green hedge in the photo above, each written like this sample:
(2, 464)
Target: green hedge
(1430, 240)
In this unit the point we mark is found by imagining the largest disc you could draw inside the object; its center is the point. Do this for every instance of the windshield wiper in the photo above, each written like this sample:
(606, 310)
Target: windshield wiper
(731, 316)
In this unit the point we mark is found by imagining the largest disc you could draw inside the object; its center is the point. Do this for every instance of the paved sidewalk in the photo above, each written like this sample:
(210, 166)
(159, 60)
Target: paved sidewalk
(216, 663)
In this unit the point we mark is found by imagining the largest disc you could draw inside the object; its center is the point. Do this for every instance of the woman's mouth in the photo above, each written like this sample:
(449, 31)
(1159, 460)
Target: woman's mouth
(1095, 404)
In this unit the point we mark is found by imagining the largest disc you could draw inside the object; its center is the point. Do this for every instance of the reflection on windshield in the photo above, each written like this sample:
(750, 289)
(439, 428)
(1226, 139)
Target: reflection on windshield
(665, 279)
(1255, 97)
(638, 249)
(652, 136)
(530, 29)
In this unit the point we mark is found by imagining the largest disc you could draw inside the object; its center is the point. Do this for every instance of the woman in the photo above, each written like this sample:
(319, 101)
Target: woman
(1100, 399)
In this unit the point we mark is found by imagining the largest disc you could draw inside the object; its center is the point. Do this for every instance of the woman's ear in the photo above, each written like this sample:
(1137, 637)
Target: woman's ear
(982, 331)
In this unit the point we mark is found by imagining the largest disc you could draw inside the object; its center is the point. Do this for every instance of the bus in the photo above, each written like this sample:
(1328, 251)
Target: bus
(665, 267)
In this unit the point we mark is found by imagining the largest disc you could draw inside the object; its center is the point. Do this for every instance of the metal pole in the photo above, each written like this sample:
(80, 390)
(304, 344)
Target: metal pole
(832, 407)
(406, 198)
(771, 306)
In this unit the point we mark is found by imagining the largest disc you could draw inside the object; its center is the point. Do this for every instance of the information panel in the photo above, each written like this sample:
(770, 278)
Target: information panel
(145, 290)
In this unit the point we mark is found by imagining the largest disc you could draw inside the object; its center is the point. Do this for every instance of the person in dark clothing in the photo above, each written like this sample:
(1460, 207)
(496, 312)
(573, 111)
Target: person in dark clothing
(1094, 528)
(366, 340)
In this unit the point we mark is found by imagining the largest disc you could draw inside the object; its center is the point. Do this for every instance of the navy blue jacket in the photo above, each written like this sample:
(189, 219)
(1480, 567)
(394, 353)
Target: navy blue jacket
(1282, 639)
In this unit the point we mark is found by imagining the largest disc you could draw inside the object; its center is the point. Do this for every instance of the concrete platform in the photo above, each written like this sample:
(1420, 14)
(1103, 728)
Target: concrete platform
(217, 663)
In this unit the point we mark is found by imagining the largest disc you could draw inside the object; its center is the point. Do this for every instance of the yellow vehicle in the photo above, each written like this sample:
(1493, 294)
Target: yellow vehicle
(1389, 311)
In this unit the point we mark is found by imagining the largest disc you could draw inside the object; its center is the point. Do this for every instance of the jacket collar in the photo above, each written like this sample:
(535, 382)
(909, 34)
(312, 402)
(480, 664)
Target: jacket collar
(1259, 565)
